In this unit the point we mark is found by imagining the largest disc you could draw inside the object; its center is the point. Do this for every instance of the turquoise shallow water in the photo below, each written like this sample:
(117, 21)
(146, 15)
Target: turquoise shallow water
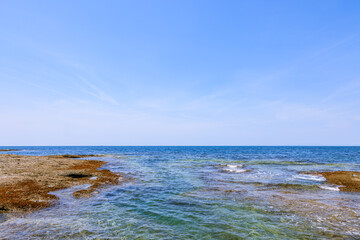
(202, 193)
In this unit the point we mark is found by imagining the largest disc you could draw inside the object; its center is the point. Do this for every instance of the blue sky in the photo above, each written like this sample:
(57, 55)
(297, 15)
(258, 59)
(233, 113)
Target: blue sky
(180, 72)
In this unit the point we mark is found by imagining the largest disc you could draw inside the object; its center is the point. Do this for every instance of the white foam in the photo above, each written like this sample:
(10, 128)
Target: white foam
(233, 165)
(235, 170)
(330, 188)
(310, 177)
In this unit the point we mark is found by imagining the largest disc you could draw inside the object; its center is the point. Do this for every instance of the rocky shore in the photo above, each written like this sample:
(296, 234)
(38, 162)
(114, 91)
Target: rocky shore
(26, 181)
(348, 180)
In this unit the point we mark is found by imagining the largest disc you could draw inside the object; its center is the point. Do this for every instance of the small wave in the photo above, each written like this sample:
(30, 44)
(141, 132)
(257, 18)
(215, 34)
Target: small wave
(310, 177)
(235, 170)
(234, 166)
(330, 188)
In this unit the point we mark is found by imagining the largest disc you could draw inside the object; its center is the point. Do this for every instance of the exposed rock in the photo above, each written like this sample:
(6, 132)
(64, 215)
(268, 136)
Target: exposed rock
(349, 181)
(25, 181)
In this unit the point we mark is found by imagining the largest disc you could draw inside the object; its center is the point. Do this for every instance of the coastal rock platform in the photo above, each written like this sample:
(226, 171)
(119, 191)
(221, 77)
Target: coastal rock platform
(26, 182)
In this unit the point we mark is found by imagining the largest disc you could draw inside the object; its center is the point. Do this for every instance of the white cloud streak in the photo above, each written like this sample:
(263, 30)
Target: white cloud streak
(98, 93)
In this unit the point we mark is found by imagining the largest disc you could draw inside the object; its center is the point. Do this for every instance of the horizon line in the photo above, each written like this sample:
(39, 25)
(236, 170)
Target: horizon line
(179, 146)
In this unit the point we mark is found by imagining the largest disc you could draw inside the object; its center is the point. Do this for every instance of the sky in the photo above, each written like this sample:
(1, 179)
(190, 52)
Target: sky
(180, 72)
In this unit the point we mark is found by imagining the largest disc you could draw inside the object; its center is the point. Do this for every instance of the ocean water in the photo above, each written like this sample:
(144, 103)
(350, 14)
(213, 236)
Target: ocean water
(202, 193)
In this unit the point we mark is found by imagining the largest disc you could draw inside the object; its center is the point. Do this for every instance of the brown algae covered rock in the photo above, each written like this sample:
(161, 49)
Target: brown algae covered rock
(349, 181)
(25, 181)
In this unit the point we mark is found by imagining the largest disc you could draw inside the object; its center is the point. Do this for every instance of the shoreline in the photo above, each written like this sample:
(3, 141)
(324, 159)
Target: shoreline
(26, 181)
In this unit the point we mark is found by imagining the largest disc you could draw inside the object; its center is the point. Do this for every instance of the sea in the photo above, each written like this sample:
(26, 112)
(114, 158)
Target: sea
(225, 192)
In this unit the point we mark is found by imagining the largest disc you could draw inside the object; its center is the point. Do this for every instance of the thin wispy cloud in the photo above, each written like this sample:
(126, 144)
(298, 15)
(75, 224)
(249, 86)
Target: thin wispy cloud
(333, 46)
(347, 90)
(98, 93)
(179, 78)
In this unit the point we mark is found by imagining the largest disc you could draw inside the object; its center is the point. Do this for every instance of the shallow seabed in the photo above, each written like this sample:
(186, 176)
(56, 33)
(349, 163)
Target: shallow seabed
(202, 193)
